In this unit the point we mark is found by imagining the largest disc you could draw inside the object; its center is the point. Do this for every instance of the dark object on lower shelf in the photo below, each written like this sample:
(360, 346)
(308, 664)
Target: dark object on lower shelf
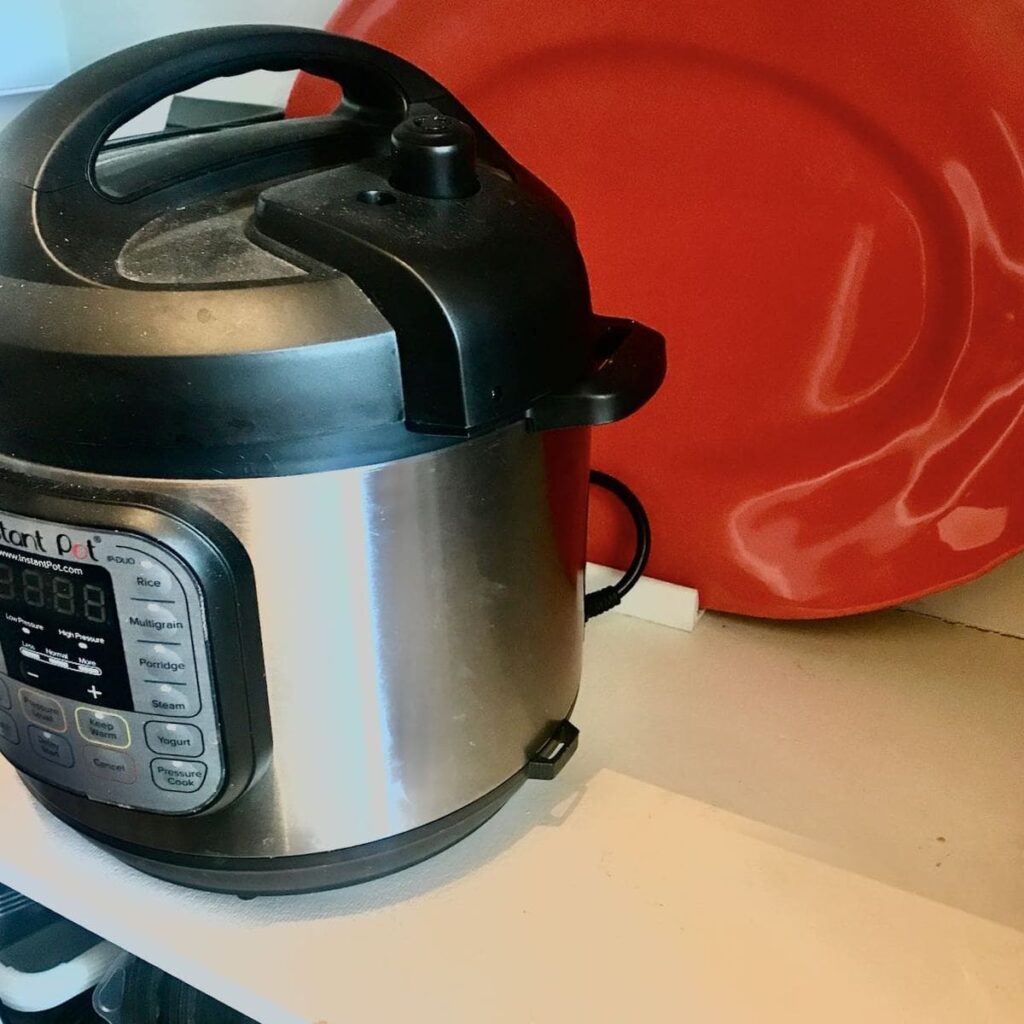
(19, 916)
(34, 943)
(313, 872)
(78, 1011)
(139, 993)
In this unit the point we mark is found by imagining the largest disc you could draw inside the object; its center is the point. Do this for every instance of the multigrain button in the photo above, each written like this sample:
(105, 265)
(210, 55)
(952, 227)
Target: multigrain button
(153, 621)
(42, 710)
(178, 776)
(172, 738)
(167, 700)
(111, 764)
(8, 728)
(51, 747)
(5, 695)
(103, 727)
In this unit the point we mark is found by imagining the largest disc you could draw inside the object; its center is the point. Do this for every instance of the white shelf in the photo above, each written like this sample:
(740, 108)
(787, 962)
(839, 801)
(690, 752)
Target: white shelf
(764, 822)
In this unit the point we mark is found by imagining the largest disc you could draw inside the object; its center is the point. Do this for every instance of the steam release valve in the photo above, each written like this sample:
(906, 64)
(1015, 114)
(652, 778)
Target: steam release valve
(435, 157)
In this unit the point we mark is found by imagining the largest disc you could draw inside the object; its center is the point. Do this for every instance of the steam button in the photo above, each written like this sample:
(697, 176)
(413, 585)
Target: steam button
(169, 701)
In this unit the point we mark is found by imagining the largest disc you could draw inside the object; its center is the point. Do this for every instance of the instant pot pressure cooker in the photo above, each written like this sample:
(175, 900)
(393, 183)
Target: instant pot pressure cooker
(293, 488)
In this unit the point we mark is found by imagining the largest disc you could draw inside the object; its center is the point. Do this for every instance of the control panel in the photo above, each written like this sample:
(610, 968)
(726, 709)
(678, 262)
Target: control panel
(106, 685)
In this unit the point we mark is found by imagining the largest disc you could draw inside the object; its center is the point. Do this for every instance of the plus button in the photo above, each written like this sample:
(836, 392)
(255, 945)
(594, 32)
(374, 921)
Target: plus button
(94, 693)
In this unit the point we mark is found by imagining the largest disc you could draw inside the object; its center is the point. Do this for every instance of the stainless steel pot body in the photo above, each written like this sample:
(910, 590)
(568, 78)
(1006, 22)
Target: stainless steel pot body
(422, 631)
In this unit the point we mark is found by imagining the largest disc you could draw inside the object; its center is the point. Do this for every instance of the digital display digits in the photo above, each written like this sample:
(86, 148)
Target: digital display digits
(54, 591)
(59, 629)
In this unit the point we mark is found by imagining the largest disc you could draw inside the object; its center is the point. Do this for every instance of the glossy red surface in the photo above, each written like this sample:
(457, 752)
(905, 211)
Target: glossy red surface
(822, 206)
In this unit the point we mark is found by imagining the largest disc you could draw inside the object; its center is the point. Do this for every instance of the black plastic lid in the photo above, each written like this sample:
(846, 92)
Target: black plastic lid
(285, 296)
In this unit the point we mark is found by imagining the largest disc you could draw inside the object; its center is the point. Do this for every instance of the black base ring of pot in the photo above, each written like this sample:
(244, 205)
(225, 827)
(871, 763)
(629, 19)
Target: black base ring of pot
(314, 872)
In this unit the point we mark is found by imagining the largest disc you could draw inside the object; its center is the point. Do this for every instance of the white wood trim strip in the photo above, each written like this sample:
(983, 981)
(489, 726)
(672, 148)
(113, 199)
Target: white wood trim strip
(667, 604)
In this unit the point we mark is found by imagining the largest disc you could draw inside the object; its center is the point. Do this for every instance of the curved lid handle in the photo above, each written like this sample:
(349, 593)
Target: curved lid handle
(54, 143)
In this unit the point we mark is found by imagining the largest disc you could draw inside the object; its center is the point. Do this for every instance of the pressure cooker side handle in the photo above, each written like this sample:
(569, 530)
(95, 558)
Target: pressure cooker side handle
(631, 371)
(54, 143)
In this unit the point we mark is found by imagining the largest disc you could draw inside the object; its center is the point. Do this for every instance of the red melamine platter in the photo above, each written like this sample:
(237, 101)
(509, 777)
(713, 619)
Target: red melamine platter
(822, 206)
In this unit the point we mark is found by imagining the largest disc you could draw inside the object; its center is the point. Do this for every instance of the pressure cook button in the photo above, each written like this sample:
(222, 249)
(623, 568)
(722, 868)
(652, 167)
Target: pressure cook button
(103, 727)
(178, 776)
(51, 747)
(8, 728)
(171, 738)
(5, 695)
(163, 663)
(44, 711)
(171, 701)
(111, 764)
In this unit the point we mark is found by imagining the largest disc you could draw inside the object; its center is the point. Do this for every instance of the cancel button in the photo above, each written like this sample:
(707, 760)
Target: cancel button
(110, 764)
(178, 776)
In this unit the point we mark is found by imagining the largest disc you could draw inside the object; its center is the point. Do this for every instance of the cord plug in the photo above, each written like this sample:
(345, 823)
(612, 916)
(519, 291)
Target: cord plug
(600, 601)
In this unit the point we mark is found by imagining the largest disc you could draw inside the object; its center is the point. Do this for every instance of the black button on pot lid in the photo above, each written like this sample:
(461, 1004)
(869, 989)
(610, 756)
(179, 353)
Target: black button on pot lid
(434, 156)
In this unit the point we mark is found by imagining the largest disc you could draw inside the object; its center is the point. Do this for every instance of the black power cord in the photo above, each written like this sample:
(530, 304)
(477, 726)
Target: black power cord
(607, 598)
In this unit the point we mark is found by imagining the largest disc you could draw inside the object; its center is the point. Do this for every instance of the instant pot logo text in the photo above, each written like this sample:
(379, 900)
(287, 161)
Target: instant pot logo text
(34, 541)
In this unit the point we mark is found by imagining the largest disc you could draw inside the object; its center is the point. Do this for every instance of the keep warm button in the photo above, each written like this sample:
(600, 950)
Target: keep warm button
(103, 727)
(178, 776)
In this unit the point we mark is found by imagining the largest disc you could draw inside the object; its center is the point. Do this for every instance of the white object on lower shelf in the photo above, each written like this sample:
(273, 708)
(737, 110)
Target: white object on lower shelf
(667, 604)
(45, 990)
